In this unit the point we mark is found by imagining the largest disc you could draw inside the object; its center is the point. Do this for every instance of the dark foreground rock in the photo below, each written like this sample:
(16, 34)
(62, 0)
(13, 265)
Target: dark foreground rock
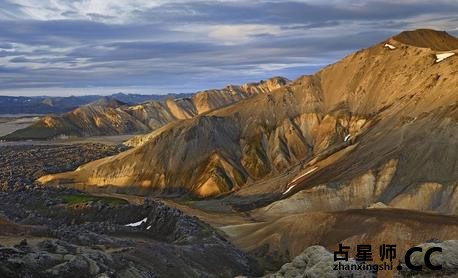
(96, 239)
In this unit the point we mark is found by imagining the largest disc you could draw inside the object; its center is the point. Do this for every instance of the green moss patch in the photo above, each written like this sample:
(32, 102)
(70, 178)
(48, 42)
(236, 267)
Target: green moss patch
(73, 199)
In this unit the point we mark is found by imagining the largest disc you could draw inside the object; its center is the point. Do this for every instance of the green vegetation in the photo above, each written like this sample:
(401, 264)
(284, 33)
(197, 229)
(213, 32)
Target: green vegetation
(73, 199)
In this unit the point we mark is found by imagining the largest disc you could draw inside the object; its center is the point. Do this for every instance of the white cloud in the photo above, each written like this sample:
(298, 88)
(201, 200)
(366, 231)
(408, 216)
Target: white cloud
(229, 34)
(277, 66)
(244, 32)
(119, 11)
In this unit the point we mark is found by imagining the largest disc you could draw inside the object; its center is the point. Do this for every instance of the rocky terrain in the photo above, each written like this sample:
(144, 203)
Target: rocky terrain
(57, 236)
(109, 116)
(65, 233)
(21, 165)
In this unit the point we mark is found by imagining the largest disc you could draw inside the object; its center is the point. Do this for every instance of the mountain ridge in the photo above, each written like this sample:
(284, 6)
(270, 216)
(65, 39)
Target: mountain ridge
(337, 128)
(436, 40)
(111, 117)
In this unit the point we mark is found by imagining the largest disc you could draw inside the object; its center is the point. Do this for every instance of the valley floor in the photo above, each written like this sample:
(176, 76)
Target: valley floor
(11, 123)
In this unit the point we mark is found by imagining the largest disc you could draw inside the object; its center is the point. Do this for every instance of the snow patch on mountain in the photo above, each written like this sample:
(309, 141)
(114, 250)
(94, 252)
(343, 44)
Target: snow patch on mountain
(443, 56)
(135, 224)
(390, 46)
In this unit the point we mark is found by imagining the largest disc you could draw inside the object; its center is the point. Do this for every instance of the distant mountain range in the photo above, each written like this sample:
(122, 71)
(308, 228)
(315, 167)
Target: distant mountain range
(114, 116)
(48, 105)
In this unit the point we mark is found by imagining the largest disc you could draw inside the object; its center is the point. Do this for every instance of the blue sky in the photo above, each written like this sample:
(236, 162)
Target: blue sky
(58, 47)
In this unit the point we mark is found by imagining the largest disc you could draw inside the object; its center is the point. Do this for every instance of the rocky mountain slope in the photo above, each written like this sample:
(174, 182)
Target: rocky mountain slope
(378, 126)
(108, 116)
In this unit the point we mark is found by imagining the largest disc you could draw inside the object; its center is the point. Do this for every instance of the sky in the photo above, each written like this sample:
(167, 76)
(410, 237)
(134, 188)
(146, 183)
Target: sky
(58, 47)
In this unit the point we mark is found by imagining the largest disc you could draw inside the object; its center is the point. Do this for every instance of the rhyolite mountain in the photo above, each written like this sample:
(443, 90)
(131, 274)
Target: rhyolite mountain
(101, 117)
(377, 128)
(110, 116)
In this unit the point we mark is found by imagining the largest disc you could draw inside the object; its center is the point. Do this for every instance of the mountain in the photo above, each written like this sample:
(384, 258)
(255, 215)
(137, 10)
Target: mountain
(137, 98)
(42, 105)
(101, 117)
(378, 128)
(109, 116)
(48, 105)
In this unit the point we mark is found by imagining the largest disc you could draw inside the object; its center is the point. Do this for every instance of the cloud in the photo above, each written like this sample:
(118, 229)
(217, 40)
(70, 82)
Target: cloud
(239, 33)
(175, 46)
